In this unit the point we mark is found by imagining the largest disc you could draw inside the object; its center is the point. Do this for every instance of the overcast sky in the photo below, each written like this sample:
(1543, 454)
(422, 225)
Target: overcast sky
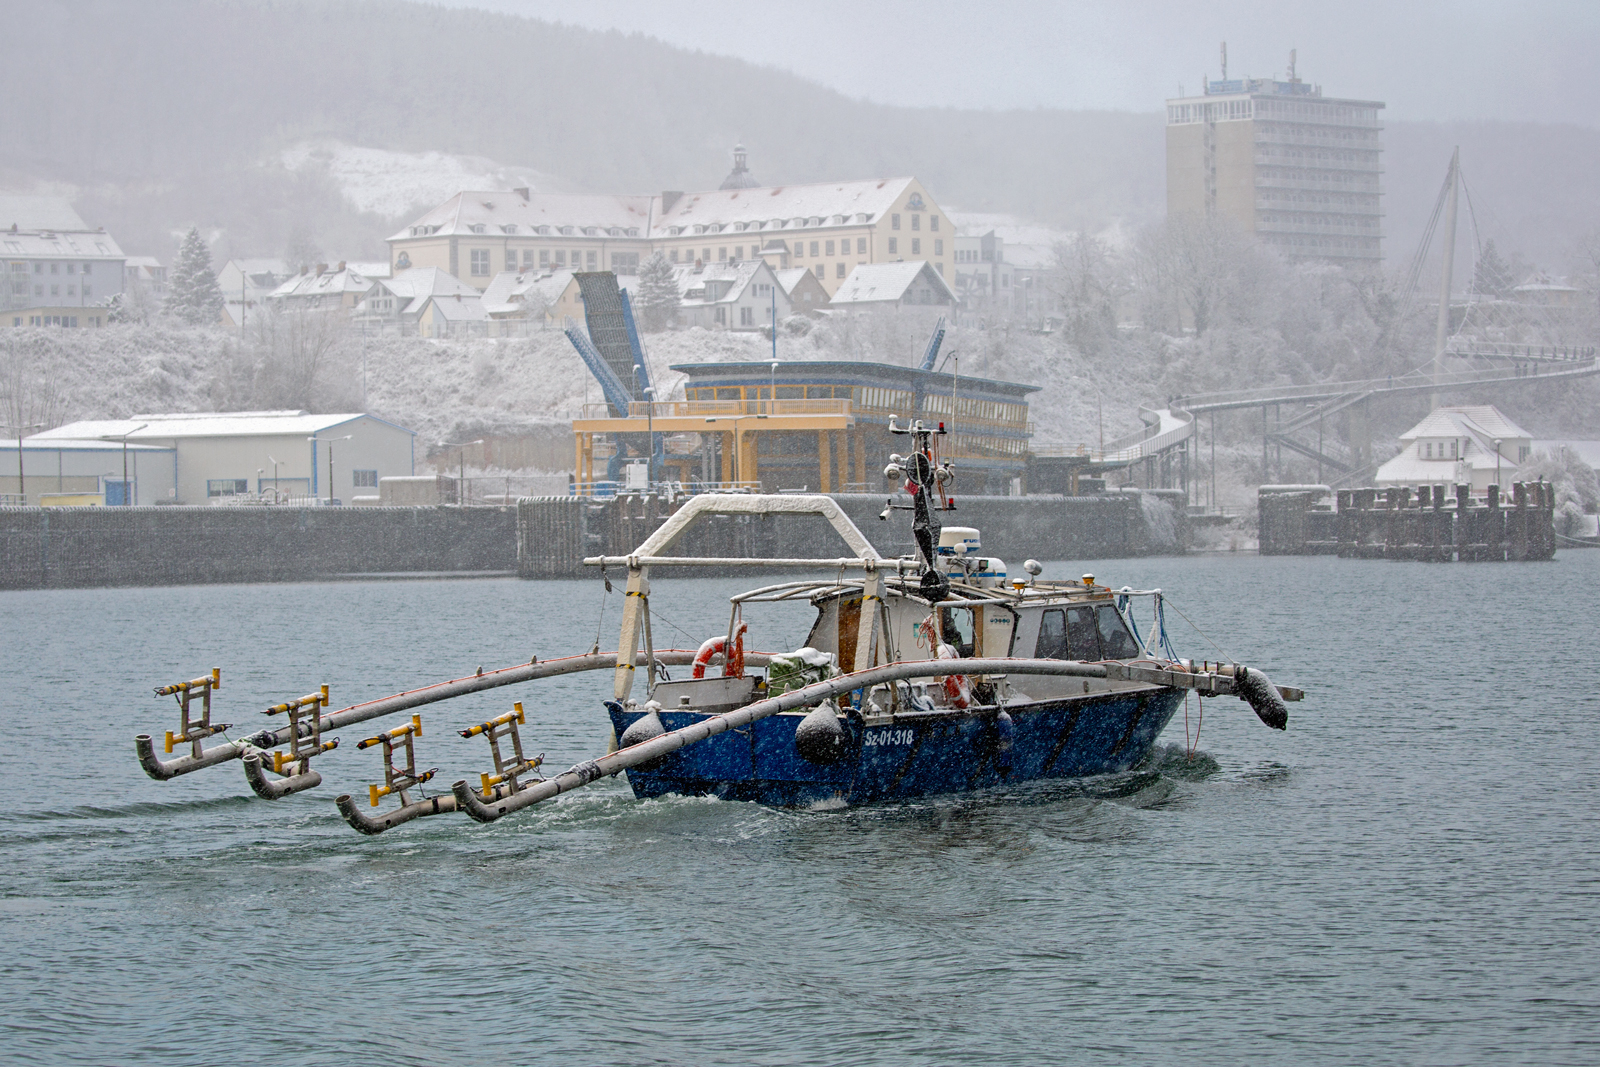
(1529, 60)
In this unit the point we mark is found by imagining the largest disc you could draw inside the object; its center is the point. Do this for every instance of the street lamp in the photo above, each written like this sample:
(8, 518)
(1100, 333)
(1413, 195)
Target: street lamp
(274, 463)
(461, 475)
(737, 471)
(1497, 462)
(330, 440)
(650, 427)
(127, 496)
(772, 398)
(22, 485)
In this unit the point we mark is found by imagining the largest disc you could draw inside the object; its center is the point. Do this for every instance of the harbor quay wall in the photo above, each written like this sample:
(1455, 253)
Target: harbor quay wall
(555, 534)
(547, 537)
(1401, 522)
(106, 546)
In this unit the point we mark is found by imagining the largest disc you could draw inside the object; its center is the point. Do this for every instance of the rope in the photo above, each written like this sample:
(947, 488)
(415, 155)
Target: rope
(1227, 658)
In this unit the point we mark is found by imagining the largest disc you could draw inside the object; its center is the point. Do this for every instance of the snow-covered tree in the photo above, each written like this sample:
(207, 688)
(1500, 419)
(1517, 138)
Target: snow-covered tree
(657, 298)
(1493, 275)
(192, 292)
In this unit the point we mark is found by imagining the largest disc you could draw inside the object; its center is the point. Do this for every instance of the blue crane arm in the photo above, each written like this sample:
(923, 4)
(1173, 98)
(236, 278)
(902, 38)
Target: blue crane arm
(933, 345)
(641, 370)
(617, 396)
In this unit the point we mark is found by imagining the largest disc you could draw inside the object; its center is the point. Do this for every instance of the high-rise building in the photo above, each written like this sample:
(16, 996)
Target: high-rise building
(1300, 170)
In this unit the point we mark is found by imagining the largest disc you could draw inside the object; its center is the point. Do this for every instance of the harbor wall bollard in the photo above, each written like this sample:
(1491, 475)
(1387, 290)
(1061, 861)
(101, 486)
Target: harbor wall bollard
(1437, 526)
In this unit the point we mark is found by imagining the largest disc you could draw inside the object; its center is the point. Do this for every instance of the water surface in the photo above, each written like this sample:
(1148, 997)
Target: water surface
(1408, 875)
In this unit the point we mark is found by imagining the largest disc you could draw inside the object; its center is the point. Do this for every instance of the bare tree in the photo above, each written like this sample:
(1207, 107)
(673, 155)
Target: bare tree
(298, 359)
(30, 396)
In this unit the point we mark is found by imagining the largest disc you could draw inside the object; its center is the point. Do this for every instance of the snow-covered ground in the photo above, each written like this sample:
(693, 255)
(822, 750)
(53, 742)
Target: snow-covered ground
(395, 184)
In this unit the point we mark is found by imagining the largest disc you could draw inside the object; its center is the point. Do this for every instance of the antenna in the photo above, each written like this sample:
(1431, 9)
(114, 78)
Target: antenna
(1292, 78)
(1224, 60)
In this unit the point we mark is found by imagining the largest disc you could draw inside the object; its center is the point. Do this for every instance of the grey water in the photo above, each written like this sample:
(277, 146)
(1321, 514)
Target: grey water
(1410, 874)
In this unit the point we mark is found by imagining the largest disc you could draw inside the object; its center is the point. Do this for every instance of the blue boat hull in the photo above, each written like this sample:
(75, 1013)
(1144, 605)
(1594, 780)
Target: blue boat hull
(1071, 737)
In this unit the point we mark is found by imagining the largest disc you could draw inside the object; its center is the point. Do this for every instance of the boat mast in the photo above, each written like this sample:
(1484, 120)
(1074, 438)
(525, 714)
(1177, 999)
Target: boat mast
(1442, 332)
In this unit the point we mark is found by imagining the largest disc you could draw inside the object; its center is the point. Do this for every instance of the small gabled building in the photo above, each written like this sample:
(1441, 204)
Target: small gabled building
(455, 315)
(246, 285)
(400, 301)
(339, 289)
(914, 283)
(730, 296)
(1474, 445)
(806, 294)
(533, 297)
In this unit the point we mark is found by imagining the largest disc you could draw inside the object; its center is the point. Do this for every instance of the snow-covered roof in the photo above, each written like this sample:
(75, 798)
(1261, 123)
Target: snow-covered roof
(508, 291)
(371, 268)
(416, 285)
(1026, 244)
(458, 308)
(508, 213)
(152, 263)
(1483, 421)
(38, 213)
(329, 282)
(692, 282)
(201, 424)
(769, 209)
(877, 283)
(790, 277)
(33, 444)
(59, 244)
(782, 207)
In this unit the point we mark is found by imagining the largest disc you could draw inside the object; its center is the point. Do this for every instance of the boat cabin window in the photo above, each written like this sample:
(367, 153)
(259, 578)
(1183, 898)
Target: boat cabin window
(960, 631)
(1084, 633)
(1115, 640)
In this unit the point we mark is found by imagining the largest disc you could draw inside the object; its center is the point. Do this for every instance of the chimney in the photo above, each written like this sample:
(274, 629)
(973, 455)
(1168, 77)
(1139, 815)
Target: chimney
(668, 199)
(522, 191)
(341, 265)
(322, 268)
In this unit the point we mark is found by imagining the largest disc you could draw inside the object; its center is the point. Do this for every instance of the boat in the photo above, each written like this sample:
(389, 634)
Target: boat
(930, 673)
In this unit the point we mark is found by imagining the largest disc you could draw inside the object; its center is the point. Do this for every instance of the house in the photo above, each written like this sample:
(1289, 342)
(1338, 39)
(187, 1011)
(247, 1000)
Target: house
(1474, 445)
(339, 289)
(893, 285)
(54, 270)
(806, 294)
(828, 228)
(86, 473)
(246, 284)
(548, 297)
(400, 301)
(730, 296)
(226, 456)
(1544, 291)
(455, 315)
(146, 272)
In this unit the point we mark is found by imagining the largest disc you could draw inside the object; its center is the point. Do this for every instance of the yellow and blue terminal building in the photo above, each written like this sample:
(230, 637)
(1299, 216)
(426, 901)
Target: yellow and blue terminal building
(820, 426)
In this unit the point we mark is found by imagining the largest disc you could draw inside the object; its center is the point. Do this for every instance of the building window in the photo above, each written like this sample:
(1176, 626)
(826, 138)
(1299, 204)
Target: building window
(933, 222)
(594, 258)
(894, 222)
(894, 246)
(916, 244)
(938, 246)
(916, 221)
(88, 291)
(829, 250)
(561, 258)
(227, 486)
(480, 261)
(364, 479)
(815, 249)
(674, 255)
(838, 270)
(738, 253)
(55, 290)
(799, 249)
(940, 268)
(527, 258)
(544, 257)
(822, 270)
(722, 316)
(746, 317)
(511, 259)
(86, 267)
(705, 255)
(722, 255)
(861, 246)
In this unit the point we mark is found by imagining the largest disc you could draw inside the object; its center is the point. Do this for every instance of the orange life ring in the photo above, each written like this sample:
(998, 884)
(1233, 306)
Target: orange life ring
(957, 687)
(733, 664)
